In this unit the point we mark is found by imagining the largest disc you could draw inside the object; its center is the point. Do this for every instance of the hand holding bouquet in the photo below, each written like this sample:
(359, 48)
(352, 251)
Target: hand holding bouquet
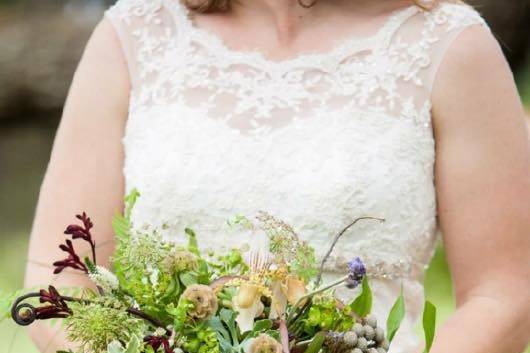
(162, 297)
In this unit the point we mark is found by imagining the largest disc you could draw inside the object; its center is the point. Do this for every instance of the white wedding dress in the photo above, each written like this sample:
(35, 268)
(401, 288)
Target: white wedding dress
(317, 140)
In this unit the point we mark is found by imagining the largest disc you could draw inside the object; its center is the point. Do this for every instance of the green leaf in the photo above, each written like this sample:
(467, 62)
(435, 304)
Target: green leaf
(120, 226)
(429, 324)
(121, 223)
(396, 315)
(133, 346)
(173, 289)
(188, 278)
(229, 318)
(90, 265)
(262, 325)
(192, 241)
(316, 343)
(362, 305)
(130, 201)
(115, 347)
(216, 324)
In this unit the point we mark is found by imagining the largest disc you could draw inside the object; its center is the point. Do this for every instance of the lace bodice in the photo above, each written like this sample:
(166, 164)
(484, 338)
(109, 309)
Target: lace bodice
(316, 140)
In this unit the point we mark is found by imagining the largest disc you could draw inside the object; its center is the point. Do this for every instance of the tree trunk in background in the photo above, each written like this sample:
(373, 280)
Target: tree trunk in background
(41, 42)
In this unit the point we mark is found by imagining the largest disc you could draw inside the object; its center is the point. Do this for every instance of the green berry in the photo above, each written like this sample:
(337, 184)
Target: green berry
(381, 350)
(372, 350)
(356, 350)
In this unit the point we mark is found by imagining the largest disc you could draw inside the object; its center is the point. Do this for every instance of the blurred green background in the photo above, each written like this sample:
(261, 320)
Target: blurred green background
(40, 44)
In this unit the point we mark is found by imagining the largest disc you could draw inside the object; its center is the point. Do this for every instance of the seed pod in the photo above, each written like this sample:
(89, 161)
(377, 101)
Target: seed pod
(356, 350)
(265, 344)
(385, 344)
(203, 299)
(379, 334)
(372, 350)
(362, 343)
(381, 350)
(358, 329)
(369, 332)
(350, 339)
(371, 320)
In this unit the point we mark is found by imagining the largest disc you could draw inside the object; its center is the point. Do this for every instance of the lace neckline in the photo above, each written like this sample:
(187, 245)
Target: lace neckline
(324, 60)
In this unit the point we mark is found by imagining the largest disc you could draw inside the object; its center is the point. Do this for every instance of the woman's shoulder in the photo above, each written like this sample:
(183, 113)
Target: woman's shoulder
(454, 15)
(127, 12)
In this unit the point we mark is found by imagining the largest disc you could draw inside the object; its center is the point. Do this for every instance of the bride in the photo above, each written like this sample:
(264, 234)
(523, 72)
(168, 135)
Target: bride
(318, 112)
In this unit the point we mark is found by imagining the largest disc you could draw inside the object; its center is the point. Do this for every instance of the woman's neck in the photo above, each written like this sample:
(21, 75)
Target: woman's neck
(285, 16)
(288, 18)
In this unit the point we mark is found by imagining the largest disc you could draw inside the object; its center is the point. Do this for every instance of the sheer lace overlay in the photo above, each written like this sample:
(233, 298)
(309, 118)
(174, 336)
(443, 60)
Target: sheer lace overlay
(316, 140)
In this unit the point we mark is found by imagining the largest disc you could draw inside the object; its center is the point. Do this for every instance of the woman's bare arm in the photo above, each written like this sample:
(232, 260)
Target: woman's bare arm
(85, 170)
(483, 187)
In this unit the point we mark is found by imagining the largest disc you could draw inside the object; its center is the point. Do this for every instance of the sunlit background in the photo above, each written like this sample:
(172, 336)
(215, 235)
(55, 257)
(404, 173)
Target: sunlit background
(40, 44)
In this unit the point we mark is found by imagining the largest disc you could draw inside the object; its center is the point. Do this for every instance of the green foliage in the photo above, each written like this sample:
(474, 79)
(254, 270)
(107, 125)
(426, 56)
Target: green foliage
(7, 300)
(121, 224)
(304, 263)
(288, 248)
(229, 264)
(316, 343)
(395, 317)
(200, 339)
(240, 220)
(133, 346)
(192, 241)
(362, 305)
(324, 315)
(95, 325)
(143, 267)
(429, 324)
(179, 313)
(228, 335)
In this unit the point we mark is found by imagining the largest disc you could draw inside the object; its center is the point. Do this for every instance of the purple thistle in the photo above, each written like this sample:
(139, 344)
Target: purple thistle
(356, 273)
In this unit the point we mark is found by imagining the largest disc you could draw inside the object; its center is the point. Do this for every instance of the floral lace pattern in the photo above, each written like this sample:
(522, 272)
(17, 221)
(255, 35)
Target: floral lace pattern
(317, 140)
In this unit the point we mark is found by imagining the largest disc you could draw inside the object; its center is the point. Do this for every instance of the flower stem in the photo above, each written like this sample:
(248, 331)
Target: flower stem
(315, 292)
(335, 241)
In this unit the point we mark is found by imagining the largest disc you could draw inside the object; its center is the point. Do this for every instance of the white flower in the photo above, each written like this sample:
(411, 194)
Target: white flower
(105, 279)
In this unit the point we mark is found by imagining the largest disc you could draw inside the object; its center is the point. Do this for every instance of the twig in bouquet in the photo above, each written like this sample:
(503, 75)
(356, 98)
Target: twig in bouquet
(334, 243)
(146, 317)
(58, 308)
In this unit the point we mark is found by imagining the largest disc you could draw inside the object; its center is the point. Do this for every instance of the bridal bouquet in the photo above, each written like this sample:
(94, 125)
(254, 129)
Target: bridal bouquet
(161, 297)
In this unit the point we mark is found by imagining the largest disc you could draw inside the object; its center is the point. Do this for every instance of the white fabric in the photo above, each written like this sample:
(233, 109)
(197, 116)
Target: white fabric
(317, 140)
